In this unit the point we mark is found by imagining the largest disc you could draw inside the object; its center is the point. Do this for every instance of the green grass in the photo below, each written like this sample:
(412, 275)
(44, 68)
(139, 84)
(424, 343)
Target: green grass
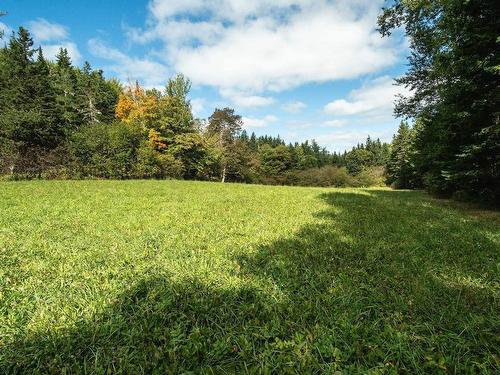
(175, 277)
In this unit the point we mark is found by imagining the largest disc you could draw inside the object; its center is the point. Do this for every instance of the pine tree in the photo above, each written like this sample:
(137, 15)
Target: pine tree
(47, 129)
(25, 117)
(65, 84)
(96, 98)
(400, 169)
(453, 74)
(28, 114)
(253, 142)
(88, 91)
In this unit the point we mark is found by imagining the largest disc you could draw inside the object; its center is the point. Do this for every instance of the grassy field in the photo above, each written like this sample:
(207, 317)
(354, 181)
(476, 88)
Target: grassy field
(175, 277)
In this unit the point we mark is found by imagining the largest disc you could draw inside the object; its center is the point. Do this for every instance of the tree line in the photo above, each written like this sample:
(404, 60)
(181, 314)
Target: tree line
(451, 147)
(62, 121)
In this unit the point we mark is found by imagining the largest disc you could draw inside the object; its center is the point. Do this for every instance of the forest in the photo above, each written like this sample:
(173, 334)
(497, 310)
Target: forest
(61, 121)
(452, 147)
(70, 122)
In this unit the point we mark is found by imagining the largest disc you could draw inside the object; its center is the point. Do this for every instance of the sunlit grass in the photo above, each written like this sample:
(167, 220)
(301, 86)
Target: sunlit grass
(172, 276)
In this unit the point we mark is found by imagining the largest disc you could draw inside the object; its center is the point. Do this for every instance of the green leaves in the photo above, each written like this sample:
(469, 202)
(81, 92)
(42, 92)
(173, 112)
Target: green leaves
(453, 75)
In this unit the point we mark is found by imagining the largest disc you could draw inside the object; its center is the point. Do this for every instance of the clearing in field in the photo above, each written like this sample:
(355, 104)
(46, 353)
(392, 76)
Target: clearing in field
(172, 276)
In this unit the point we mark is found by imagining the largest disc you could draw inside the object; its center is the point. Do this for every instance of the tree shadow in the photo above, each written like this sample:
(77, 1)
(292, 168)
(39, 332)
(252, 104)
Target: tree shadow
(157, 326)
(392, 278)
(382, 281)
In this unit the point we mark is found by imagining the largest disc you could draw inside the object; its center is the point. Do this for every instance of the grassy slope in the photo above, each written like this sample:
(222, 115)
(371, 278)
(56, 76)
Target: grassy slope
(167, 275)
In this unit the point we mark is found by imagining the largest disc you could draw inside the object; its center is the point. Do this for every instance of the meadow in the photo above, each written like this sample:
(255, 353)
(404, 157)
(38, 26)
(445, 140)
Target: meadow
(174, 277)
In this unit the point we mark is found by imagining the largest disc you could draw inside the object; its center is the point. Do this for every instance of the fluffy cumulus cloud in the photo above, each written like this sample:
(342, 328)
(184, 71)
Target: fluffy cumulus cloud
(263, 45)
(293, 107)
(251, 122)
(126, 68)
(245, 100)
(52, 37)
(44, 30)
(374, 98)
(334, 123)
(252, 101)
(345, 140)
(198, 105)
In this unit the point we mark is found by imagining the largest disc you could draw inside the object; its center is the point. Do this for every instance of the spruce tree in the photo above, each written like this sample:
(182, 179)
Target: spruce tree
(47, 129)
(87, 94)
(400, 168)
(453, 75)
(65, 84)
(28, 114)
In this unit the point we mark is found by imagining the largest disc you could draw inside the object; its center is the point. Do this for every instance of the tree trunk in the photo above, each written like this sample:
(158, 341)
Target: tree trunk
(224, 174)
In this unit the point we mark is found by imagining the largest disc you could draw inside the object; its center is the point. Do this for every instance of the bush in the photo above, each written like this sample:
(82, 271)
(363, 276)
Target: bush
(372, 176)
(324, 176)
(331, 176)
(33, 162)
(154, 164)
(148, 164)
(105, 151)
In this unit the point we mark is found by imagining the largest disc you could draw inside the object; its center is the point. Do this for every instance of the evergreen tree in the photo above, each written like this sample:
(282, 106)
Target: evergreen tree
(65, 85)
(96, 98)
(454, 80)
(274, 163)
(87, 95)
(28, 115)
(47, 130)
(400, 169)
(253, 142)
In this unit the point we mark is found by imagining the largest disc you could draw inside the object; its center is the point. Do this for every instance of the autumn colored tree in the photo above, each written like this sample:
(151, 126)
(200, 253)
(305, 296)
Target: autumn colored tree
(137, 106)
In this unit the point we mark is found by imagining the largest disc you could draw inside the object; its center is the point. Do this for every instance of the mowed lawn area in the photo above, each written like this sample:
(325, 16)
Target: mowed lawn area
(174, 277)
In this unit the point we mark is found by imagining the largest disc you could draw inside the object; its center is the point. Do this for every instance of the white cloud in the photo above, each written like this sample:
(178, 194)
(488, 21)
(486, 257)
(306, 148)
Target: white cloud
(233, 10)
(296, 125)
(334, 123)
(126, 68)
(44, 31)
(247, 101)
(250, 122)
(252, 101)
(175, 33)
(373, 98)
(261, 45)
(345, 140)
(5, 29)
(198, 105)
(52, 37)
(294, 107)
(51, 50)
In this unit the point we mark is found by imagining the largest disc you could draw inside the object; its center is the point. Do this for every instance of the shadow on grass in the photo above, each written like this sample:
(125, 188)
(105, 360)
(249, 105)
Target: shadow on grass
(382, 280)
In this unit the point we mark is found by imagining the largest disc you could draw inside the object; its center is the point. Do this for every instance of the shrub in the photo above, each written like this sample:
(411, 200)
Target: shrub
(154, 164)
(324, 176)
(372, 176)
(105, 151)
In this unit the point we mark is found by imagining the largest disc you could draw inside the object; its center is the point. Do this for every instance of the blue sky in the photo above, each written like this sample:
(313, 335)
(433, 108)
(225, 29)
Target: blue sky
(302, 69)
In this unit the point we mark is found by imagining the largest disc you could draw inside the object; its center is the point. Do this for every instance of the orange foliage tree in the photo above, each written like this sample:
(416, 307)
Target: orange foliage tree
(137, 106)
